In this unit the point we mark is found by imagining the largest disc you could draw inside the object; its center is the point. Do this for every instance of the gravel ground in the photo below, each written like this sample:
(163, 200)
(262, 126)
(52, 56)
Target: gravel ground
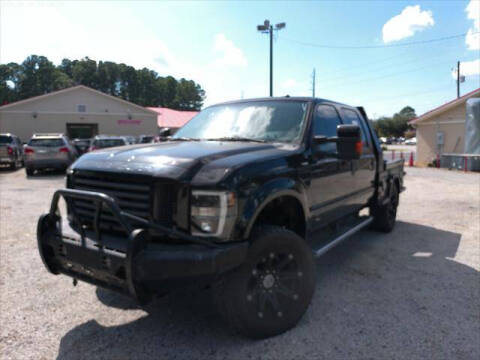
(411, 294)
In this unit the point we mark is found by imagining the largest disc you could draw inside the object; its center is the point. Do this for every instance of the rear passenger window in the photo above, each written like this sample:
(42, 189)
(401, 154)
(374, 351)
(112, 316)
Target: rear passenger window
(351, 117)
(326, 120)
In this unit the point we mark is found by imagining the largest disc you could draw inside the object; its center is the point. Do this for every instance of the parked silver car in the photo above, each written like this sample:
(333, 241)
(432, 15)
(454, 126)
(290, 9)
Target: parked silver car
(11, 151)
(48, 151)
(107, 141)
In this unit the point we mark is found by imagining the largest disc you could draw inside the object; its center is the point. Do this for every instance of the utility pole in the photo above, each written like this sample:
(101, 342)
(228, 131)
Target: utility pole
(313, 83)
(458, 79)
(271, 60)
(266, 28)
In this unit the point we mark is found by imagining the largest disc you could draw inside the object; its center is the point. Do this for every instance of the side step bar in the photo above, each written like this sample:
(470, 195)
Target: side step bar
(323, 249)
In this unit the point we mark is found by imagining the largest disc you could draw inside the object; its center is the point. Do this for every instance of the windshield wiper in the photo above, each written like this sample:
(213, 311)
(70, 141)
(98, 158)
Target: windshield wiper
(183, 139)
(236, 138)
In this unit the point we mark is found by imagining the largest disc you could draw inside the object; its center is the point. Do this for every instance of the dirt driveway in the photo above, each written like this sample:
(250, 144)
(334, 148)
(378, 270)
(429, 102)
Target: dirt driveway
(411, 294)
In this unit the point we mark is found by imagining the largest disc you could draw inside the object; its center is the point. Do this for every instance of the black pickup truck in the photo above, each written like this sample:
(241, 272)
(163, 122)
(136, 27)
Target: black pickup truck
(242, 199)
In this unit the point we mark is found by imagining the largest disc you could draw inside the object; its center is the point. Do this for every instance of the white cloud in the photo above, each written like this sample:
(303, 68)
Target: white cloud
(411, 20)
(91, 33)
(468, 68)
(473, 36)
(231, 55)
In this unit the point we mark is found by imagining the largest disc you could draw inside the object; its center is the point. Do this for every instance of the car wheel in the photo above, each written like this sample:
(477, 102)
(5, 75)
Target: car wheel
(271, 291)
(29, 171)
(384, 217)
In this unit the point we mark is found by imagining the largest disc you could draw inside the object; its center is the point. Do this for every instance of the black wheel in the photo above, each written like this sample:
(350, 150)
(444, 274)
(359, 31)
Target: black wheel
(384, 217)
(29, 171)
(271, 291)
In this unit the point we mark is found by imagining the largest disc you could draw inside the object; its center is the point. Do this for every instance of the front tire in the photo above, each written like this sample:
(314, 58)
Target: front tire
(270, 292)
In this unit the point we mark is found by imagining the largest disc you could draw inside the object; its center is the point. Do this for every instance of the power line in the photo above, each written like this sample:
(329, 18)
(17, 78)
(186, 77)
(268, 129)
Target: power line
(391, 75)
(438, 89)
(340, 74)
(377, 46)
(375, 71)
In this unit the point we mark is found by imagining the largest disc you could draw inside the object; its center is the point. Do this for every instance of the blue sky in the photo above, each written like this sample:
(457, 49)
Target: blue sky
(217, 45)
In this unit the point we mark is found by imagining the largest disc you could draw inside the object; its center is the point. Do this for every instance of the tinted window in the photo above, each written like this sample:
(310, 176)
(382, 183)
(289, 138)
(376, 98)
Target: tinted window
(105, 143)
(351, 117)
(326, 120)
(46, 142)
(5, 139)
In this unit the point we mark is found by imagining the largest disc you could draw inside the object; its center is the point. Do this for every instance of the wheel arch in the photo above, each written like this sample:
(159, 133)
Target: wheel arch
(280, 189)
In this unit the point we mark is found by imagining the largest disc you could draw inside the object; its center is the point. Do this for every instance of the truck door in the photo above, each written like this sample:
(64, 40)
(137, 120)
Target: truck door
(330, 177)
(363, 169)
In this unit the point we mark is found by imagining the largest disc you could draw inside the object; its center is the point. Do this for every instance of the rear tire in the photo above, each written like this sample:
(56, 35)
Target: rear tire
(270, 292)
(29, 171)
(384, 216)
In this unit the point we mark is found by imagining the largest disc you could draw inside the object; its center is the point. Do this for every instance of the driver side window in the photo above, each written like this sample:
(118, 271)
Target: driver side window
(326, 120)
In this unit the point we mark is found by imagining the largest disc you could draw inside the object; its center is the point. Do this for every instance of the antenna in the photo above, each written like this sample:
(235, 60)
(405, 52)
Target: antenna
(313, 82)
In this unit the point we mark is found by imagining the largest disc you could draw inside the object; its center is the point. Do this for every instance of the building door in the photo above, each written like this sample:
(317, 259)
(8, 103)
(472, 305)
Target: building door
(82, 131)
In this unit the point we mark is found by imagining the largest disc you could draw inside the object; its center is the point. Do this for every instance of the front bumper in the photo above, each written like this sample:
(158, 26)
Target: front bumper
(132, 264)
(7, 160)
(47, 163)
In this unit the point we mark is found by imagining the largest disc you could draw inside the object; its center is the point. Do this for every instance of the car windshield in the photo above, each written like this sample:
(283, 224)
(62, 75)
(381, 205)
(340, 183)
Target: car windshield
(5, 139)
(146, 139)
(104, 143)
(275, 121)
(46, 142)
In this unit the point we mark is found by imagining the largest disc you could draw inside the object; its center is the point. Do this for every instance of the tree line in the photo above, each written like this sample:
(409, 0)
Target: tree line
(37, 76)
(397, 125)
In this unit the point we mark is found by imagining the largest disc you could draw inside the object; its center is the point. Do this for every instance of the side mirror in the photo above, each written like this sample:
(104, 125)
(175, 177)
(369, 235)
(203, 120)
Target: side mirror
(349, 142)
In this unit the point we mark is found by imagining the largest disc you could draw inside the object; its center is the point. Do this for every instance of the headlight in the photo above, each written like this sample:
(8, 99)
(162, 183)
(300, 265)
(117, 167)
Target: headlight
(213, 213)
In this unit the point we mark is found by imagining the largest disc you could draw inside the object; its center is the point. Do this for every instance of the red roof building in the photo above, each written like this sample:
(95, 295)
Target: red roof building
(173, 119)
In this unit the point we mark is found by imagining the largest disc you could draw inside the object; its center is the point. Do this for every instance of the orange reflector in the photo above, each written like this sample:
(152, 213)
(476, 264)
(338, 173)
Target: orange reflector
(358, 147)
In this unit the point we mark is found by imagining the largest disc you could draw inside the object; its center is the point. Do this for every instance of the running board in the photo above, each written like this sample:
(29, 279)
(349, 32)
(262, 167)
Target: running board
(323, 249)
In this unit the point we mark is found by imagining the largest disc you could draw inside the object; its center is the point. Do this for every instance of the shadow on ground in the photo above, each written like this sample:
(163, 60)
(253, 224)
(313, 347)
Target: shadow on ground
(396, 295)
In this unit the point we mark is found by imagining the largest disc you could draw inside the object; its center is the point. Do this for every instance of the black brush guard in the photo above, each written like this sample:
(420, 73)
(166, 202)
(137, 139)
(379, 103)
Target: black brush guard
(93, 257)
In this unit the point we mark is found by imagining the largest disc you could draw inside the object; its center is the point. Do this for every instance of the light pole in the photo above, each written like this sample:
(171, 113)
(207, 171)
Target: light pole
(266, 28)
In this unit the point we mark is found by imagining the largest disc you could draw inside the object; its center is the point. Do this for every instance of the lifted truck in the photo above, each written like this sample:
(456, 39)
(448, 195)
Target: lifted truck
(242, 198)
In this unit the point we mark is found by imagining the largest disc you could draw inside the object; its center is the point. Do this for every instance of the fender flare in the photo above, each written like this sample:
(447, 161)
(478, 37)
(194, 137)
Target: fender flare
(267, 193)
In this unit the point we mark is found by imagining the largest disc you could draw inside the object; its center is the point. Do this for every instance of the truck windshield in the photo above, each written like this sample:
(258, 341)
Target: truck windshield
(272, 121)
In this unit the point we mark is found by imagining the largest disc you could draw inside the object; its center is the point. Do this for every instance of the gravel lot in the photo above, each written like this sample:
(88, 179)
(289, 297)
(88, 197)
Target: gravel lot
(411, 294)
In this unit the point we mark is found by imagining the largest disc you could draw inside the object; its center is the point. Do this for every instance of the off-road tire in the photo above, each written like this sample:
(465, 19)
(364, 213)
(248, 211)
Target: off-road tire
(384, 216)
(270, 292)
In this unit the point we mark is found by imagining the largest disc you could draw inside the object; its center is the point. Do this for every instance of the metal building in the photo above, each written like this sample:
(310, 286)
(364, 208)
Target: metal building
(79, 112)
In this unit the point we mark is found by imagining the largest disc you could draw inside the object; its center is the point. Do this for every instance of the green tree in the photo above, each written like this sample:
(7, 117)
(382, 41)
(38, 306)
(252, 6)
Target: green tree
(84, 72)
(397, 125)
(189, 95)
(37, 75)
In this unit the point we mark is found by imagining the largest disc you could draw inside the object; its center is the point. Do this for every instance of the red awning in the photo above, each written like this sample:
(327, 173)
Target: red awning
(172, 118)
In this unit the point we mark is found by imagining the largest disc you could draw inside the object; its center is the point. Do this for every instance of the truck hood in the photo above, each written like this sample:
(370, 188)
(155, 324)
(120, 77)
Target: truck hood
(176, 159)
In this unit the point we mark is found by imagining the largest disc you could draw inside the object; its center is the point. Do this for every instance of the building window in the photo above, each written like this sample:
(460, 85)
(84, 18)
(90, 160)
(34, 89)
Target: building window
(82, 108)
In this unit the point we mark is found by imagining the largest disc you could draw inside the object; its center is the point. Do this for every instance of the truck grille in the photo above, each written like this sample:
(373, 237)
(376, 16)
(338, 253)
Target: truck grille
(133, 195)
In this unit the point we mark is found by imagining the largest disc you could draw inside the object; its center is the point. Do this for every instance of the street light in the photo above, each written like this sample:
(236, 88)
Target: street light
(266, 28)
